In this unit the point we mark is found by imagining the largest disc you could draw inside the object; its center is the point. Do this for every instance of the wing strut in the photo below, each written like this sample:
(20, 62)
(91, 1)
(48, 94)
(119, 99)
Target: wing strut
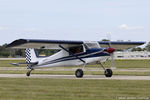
(72, 54)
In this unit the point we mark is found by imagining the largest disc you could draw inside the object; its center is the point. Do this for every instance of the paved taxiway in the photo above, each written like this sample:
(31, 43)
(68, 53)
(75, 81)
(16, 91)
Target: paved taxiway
(115, 77)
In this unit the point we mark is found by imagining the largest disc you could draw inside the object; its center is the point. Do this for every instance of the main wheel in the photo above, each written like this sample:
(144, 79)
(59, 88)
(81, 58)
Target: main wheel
(79, 73)
(108, 73)
(28, 73)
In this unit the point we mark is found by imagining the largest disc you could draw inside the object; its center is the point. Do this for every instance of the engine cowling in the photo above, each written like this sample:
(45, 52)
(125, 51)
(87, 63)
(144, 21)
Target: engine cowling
(110, 50)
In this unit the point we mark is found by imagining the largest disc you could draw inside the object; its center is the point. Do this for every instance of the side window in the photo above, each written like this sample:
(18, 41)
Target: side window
(45, 52)
(77, 49)
(89, 45)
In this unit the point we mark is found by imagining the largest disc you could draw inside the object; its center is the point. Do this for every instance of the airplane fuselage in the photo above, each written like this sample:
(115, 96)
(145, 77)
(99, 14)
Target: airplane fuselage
(63, 58)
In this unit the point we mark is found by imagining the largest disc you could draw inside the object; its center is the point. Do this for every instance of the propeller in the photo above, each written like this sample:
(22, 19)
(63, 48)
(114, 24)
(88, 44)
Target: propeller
(111, 51)
(112, 61)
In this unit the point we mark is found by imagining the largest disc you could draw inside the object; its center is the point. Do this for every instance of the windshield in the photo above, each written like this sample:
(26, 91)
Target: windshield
(89, 45)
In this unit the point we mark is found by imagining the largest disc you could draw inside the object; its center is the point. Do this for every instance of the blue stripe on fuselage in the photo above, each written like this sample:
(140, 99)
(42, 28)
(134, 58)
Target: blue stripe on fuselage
(94, 52)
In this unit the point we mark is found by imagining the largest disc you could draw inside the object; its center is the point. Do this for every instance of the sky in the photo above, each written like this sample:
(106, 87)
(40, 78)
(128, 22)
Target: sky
(89, 20)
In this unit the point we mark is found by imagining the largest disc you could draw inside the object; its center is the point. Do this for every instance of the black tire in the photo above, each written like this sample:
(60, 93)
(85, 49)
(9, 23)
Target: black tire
(28, 73)
(79, 73)
(108, 73)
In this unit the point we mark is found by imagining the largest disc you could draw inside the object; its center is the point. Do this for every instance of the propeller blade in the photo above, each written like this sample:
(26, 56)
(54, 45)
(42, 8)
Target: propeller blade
(112, 61)
(111, 50)
(109, 38)
(109, 43)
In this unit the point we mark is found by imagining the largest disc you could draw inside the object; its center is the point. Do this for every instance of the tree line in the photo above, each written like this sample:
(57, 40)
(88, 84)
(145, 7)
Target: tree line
(7, 52)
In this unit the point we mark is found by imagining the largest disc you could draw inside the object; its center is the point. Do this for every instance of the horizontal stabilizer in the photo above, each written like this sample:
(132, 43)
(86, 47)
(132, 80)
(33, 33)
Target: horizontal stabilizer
(15, 64)
(24, 63)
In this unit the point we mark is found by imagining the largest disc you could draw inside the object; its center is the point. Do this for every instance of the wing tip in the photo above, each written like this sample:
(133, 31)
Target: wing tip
(123, 42)
(16, 43)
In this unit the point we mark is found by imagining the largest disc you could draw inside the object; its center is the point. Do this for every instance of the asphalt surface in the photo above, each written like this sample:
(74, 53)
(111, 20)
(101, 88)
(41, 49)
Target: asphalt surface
(99, 77)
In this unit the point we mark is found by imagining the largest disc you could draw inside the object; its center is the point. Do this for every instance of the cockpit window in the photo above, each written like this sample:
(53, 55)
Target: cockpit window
(89, 45)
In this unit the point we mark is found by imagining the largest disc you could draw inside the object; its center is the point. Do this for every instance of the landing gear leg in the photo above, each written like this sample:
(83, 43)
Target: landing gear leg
(79, 72)
(108, 72)
(28, 73)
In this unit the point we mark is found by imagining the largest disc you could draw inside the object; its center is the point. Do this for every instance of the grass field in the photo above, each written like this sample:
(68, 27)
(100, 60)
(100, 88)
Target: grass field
(118, 63)
(71, 89)
(6, 63)
(76, 89)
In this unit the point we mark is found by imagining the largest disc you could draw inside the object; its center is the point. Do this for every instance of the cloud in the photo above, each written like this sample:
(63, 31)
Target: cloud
(126, 27)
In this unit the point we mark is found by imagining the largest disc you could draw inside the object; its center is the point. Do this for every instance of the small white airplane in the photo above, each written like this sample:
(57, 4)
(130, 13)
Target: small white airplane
(72, 53)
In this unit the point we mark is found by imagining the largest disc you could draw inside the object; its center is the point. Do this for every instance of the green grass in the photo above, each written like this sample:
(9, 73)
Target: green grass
(71, 89)
(118, 63)
(6, 63)
(75, 89)
(132, 63)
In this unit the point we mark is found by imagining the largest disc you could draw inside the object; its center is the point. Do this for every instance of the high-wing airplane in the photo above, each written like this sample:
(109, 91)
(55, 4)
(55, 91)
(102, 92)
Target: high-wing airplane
(72, 53)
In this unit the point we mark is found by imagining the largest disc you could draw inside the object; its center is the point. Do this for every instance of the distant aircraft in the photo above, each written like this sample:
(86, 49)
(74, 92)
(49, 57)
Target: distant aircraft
(72, 53)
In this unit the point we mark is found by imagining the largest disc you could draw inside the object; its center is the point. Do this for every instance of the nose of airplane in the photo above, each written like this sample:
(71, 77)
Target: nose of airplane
(110, 50)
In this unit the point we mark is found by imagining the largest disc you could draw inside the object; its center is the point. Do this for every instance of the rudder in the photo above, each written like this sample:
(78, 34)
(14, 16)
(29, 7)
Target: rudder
(31, 56)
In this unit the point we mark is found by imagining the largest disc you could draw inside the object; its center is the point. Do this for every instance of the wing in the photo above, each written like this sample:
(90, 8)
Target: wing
(54, 44)
(119, 45)
(43, 44)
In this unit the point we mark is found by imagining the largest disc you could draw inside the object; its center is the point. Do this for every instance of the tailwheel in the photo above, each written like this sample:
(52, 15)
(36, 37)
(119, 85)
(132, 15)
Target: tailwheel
(79, 73)
(29, 72)
(108, 73)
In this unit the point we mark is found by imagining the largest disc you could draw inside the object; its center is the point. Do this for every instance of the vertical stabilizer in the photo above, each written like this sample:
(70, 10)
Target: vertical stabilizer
(31, 55)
